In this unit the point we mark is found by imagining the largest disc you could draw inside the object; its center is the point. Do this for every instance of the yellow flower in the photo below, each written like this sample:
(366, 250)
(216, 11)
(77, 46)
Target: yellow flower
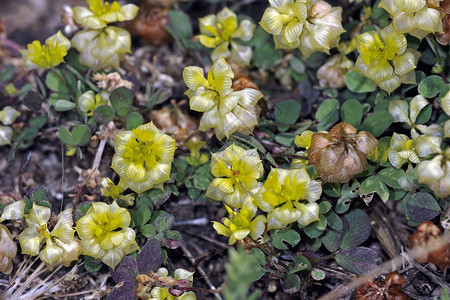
(332, 73)
(8, 250)
(436, 174)
(225, 110)
(100, 14)
(105, 233)
(310, 25)
(48, 55)
(143, 157)
(304, 140)
(416, 17)
(8, 115)
(402, 150)
(6, 134)
(236, 171)
(385, 59)
(445, 103)
(289, 196)
(89, 101)
(241, 223)
(13, 211)
(196, 158)
(220, 32)
(102, 48)
(400, 112)
(61, 246)
(180, 275)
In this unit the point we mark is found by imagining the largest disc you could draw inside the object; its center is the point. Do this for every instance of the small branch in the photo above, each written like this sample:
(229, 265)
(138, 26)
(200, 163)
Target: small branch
(98, 154)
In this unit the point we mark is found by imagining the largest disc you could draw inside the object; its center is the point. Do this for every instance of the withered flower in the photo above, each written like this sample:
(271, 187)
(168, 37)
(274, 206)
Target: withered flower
(341, 153)
(8, 250)
(430, 246)
(444, 37)
(382, 289)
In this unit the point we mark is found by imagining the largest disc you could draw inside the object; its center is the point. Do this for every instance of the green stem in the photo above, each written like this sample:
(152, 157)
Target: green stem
(440, 61)
(64, 81)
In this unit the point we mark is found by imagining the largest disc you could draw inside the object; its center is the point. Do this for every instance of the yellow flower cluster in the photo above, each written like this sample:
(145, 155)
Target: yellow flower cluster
(102, 46)
(385, 58)
(163, 293)
(48, 55)
(221, 31)
(310, 25)
(61, 245)
(436, 174)
(105, 233)
(143, 157)
(224, 109)
(416, 17)
(89, 101)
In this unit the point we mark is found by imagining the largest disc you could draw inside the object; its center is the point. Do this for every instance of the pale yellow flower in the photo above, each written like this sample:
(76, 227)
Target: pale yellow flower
(416, 17)
(105, 233)
(221, 32)
(310, 25)
(13, 211)
(224, 109)
(241, 223)
(8, 250)
(236, 171)
(143, 157)
(102, 48)
(162, 293)
(401, 111)
(100, 13)
(385, 59)
(8, 115)
(289, 196)
(436, 174)
(61, 245)
(445, 103)
(6, 134)
(89, 101)
(402, 150)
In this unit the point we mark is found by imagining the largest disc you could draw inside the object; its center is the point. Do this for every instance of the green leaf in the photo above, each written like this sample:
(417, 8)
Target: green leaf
(343, 204)
(356, 228)
(312, 231)
(7, 73)
(352, 112)
(377, 122)
(121, 96)
(104, 114)
(266, 56)
(287, 112)
(291, 284)
(33, 101)
(66, 136)
(201, 182)
(317, 274)
(143, 215)
(53, 82)
(157, 196)
(289, 236)
(332, 189)
(373, 184)
(91, 264)
(163, 222)
(64, 105)
(259, 256)
(327, 114)
(179, 26)
(358, 83)
(331, 239)
(285, 138)
(358, 260)
(431, 86)
(424, 115)
(125, 110)
(325, 207)
(134, 120)
(422, 207)
(81, 135)
(38, 122)
(148, 230)
(334, 221)
(390, 176)
(158, 97)
(82, 210)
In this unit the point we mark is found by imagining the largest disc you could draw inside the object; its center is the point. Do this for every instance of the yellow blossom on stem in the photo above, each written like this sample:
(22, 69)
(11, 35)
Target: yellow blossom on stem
(48, 55)
(221, 31)
(102, 48)
(100, 13)
(237, 171)
(196, 158)
(385, 59)
(143, 157)
(310, 25)
(89, 101)
(436, 174)
(224, 109)
(105, 233)
(304, 139)
(61, 245)
(416, 17)
(402, 150)
(8, 250)
(241, 223)
(289, 196)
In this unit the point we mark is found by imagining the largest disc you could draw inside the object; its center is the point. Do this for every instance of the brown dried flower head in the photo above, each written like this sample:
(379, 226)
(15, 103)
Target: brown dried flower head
(341, 153)
(382, 289)
(444, 37)
(111, 81)
(430, 246)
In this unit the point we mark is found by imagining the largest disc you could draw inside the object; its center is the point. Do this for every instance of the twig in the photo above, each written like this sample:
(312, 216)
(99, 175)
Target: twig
(98, 154)
(200, 270)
